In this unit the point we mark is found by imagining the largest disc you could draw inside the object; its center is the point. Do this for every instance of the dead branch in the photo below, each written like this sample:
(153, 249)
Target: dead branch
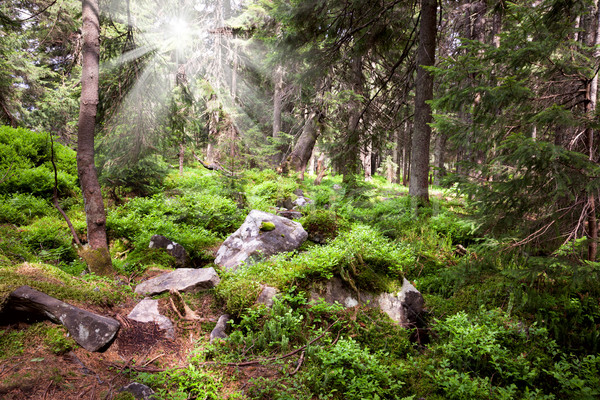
(55, 195)
(188, 314)
(6, 176)
(299, 364)
(216, 166)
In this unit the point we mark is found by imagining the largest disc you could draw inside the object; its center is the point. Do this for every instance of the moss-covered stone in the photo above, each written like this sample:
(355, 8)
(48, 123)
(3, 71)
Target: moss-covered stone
(97, 260)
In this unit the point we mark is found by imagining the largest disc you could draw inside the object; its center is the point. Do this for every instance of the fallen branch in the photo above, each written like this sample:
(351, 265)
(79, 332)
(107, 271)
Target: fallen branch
(213, 167)
(299, 364)
(55, 196)
(188, 313)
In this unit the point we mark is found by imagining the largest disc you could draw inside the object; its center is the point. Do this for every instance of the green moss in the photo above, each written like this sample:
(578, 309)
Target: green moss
(98, 261)
(57, 283)
(267, 226)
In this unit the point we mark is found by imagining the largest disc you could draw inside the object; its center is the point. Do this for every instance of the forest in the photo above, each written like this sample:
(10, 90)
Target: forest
(379, 199)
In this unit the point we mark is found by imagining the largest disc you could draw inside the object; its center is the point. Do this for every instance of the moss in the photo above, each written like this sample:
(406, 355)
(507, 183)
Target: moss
(267, 226)
(98, 261)
(57, 283)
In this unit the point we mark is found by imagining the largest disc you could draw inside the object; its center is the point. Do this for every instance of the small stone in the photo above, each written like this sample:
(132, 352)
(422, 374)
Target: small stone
(147, 311)
(220, 330)
(139, 391)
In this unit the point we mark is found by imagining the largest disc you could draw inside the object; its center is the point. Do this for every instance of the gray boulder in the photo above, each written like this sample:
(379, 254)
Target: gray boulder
(91, 331)
(267, 295)
(403, 307)
(139, 391)
(147, 311)
(221, 328)
(261, 235)
(176, 250)
(183, 279)
(302, 201)
(289, 214)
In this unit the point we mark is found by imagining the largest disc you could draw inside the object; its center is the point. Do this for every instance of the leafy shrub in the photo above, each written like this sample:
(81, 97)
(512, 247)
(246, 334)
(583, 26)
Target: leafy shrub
(171, 217)
(25, 158)
(460, 230)
(323, 224)
(523, 361)
(348, 371)
(21, 208)
(12, 247)
(143, 177)
(50, 239)
(181, 384)
(264, 194)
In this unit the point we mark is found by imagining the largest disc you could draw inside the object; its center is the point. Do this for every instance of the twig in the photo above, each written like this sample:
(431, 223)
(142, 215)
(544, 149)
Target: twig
(299, 364)
(46, 391)
(152, 360)
(55, 195)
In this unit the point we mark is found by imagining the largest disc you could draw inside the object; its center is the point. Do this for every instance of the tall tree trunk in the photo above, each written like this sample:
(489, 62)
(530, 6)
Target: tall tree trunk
(303, 149)
(419, 168)
(397, 156)
(181, 157)
(277, 109)
(351, 148)
(439, 154)
(97, 257)
(591, 110)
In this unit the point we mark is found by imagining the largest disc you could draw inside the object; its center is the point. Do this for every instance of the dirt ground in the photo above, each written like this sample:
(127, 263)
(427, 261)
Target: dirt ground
(38, 373)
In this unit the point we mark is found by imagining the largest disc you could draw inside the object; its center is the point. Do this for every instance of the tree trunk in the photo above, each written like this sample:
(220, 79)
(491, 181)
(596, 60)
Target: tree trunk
(277, 109)
(439, 153)
(591, 110)
(181, 158)
(351, 148)
(419, 168)
(300, 155)
(98, 257)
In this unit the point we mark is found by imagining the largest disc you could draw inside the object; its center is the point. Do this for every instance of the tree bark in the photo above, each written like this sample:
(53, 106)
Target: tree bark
(98, 258)
(351, 148)
(277, 109)
(419, 168)
(439, 153)
(591, 110)
(303, 149)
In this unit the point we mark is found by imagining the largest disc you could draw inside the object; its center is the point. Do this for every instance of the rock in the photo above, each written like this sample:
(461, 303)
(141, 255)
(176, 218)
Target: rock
(299, 192)
(286, 203)
(91, 331)
(266, 296)
(302, 201)
(337, 186)
(221, 328)
(403, 308)
(183, 279)
(147, 311)
(412, 301)
(139, 391)
(176, 250)
(250, 242)
(290, 214)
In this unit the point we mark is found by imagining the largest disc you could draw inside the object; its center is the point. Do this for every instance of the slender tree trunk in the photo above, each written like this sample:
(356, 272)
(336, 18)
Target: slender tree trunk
(419, 169)
(181, 157)
(97, 257)
(397, 157)
(439, 153)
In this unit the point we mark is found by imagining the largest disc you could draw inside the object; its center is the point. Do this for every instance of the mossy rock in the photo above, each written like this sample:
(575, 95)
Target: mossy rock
(97, 260)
